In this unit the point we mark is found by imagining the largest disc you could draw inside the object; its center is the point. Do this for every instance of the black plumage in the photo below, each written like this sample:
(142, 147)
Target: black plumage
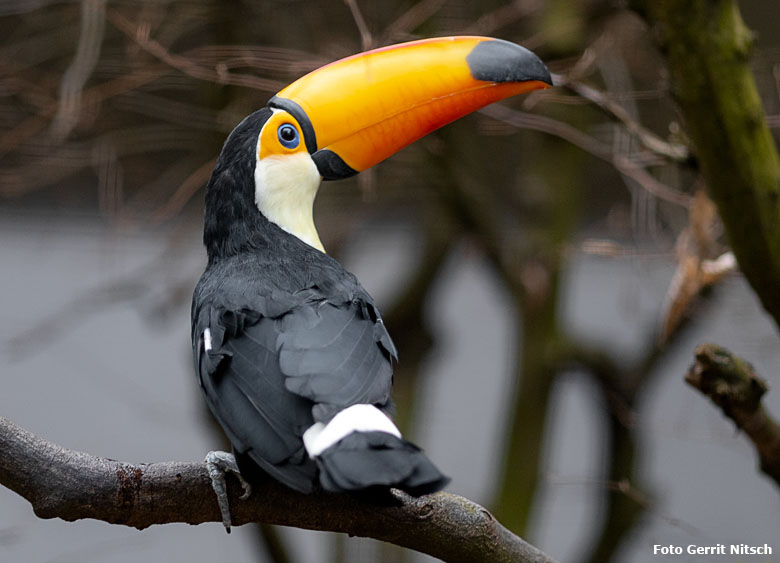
(294, 340)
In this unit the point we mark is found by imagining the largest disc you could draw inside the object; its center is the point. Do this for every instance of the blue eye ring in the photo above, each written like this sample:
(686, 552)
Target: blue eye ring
(288, 136)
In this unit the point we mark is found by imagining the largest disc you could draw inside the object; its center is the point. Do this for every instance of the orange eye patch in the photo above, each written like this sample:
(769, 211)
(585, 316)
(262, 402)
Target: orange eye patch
(281, 135)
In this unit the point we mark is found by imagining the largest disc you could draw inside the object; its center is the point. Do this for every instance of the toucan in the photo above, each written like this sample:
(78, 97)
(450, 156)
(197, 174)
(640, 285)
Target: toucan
(290, 351)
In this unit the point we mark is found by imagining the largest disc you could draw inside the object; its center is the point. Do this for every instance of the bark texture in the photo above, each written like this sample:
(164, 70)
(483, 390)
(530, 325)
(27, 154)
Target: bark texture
(60, 483)
(707, 47)
(733, 385)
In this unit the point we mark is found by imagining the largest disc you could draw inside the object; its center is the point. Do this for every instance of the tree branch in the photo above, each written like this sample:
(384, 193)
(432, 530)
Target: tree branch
(707, 47)
(675, 152)
(733, 385)
(624, 164)
(60, 483)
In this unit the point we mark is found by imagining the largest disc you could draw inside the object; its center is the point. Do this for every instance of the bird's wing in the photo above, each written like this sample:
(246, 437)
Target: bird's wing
(271, 370)
(336, 354)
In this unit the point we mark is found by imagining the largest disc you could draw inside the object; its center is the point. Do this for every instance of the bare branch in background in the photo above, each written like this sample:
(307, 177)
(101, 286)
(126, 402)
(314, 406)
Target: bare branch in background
(186, 190)
(30, 126)
(698, 263)
(706, 47)
(93, 14)
(501, 17)
(10, 7)
(416, 15)
(652, 142)
(624, 164)
(60, 483)
(366, 39)
(257, 57)
(219, 75)
(734, 386)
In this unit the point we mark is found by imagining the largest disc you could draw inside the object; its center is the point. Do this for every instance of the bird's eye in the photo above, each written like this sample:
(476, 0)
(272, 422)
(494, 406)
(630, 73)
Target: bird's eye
(288, 136)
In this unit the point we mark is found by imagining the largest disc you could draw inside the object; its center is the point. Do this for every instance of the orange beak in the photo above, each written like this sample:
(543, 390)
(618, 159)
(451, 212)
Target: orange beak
(358, 111)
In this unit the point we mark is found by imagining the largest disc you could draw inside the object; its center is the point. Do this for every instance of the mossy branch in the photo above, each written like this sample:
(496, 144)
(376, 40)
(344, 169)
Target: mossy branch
(707, 48)
(733, 385)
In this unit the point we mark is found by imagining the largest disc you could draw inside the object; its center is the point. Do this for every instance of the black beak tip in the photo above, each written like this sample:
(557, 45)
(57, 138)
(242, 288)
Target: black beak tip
(503, 61)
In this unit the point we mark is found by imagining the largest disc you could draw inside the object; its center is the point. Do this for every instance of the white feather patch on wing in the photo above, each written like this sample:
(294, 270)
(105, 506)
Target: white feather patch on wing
(207, 339)
(357, 418)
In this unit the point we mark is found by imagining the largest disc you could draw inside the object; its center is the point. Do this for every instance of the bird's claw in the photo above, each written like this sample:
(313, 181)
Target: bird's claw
(219, 463)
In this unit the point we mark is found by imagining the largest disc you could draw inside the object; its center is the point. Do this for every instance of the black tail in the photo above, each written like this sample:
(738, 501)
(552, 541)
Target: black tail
(369, 460)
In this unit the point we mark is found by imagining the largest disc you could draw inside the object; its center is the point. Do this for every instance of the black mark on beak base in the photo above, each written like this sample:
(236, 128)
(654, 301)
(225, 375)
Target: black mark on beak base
(332, 166)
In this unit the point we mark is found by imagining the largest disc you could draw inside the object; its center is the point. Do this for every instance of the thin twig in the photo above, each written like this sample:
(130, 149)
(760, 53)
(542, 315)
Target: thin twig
(734, 386)
(587, 143)
(366, 39)
(219, 75)
(184, 192)
(411, 19)
(673, 151)
(29, 127)
(502, 17)
(80, 69)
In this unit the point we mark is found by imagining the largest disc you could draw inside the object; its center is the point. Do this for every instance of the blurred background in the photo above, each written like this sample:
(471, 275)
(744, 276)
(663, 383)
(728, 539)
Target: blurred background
(533, 262)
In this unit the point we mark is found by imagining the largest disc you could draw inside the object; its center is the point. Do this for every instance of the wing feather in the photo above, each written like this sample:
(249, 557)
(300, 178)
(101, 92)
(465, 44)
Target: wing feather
(335, 358)
(271, 376)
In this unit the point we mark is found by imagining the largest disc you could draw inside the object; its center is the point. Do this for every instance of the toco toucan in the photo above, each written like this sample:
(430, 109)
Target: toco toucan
(290, 351)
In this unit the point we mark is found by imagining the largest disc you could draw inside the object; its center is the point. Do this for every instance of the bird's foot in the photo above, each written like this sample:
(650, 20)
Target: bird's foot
(219, 463)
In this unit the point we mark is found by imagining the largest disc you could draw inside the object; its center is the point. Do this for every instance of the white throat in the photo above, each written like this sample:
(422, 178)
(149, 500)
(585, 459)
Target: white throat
(285, 188)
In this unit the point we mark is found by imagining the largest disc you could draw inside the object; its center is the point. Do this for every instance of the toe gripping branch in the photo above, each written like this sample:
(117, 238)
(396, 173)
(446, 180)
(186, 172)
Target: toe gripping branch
(218, 464)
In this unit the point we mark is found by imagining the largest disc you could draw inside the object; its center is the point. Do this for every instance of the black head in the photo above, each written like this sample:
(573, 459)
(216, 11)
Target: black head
(231, 216)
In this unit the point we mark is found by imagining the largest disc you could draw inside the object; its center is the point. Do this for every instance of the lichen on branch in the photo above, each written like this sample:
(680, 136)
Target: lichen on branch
(707, 47)
(734, 386)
